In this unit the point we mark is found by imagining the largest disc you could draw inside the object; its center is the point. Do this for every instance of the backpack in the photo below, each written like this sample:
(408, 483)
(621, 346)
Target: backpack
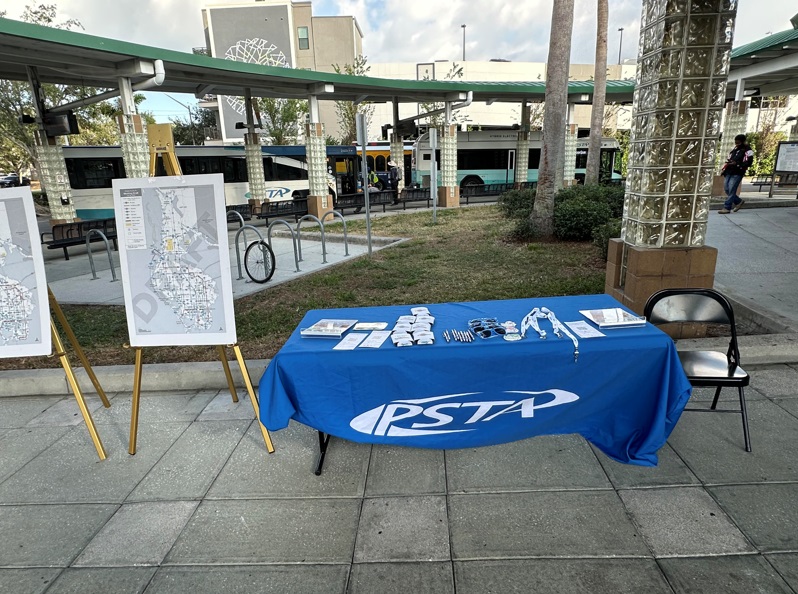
(396, 173)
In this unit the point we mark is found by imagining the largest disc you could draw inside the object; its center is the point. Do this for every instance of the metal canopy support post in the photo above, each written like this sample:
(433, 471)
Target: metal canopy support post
(397, 149)
(316, 150)
(569, 169)
(132, 134)
(361, 139)
(253, 154)
(52, 167)
(522, 149)
(433, 173)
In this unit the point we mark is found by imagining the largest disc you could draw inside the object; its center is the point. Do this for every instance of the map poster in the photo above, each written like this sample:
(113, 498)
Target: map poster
(24, 305)
(175, 261)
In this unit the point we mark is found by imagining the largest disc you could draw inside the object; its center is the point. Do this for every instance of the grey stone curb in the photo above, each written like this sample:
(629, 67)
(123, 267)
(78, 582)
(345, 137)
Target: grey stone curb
(119, 378)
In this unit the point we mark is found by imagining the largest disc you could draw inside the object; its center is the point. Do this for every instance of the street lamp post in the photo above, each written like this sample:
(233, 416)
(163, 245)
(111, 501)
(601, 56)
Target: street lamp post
(463, 27)
(620, 45)
(190, 118)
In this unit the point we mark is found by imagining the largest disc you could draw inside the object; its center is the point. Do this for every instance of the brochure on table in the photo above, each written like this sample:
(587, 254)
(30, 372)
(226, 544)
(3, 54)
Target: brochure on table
(614, 317)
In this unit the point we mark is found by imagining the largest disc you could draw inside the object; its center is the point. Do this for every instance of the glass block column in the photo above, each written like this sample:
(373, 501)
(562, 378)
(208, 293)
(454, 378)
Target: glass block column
(736, 122)
(398, 157)
(449, 193)
(569, 171)
(254, 157)
(55, 181)
(793, 133)
(685, 48)
(135, 146)
(316, 150)
(522, 159)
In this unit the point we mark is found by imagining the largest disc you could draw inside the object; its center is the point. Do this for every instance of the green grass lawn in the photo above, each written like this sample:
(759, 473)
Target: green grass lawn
(465, 256)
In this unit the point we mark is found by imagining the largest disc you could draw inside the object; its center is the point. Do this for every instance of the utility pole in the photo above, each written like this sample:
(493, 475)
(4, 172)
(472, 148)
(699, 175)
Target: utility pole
(463, 27)
(620, 45)
(190, 118)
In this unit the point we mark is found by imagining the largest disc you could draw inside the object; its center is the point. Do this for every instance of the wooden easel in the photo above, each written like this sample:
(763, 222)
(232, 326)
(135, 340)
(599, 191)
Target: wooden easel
(134, 413)
(58, 351)
(162, 144)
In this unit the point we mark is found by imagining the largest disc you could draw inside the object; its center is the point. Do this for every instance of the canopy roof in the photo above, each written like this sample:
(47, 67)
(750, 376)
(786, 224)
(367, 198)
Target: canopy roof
(69, 57)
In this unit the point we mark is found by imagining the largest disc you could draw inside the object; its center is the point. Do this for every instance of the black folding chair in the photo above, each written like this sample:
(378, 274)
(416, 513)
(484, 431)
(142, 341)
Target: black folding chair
(704, 368)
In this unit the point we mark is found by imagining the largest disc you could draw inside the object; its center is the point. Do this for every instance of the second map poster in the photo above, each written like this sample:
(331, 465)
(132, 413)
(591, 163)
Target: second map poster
(175, 260)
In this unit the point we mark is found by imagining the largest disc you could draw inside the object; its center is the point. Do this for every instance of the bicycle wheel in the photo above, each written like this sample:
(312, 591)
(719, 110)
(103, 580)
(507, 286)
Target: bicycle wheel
(259, 261)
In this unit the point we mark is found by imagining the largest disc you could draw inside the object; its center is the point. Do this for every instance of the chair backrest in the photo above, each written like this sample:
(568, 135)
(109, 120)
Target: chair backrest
(694, 305)
(688, 305)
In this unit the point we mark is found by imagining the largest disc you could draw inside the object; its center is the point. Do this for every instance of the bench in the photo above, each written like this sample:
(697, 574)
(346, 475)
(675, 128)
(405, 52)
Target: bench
(242, 209)
(298, 207)
(64, 235)
(783, 180)
(356, 201)
(415, 195)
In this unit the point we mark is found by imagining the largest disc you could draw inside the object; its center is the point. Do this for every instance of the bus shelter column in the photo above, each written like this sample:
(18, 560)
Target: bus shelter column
(253, 155)
(50, 156)
(570, 149)
(676, 115)
(522, 149)
(132, 134)
(449, 192)
(397, 148)
(319, 203)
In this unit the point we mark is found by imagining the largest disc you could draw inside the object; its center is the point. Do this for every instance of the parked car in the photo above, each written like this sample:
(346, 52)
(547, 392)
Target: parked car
(12, 181)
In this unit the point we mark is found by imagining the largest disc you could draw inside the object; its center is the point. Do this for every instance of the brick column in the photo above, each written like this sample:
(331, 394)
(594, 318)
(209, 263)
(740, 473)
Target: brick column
(319, 199)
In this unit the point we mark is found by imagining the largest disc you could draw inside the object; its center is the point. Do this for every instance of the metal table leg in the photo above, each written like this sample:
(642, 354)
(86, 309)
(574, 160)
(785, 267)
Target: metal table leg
(324, 440)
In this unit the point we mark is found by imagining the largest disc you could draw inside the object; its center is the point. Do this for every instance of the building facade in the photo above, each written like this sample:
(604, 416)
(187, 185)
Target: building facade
(281, 33)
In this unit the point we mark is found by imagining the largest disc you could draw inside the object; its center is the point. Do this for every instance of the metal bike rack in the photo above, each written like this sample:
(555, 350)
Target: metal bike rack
(343, 220)
(238, 249)
(241, 221)
(293, 237)
(311, 217)
(108, 251)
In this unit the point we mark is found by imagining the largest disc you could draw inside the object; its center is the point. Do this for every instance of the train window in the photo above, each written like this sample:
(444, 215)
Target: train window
(534, 158)
(482, 159)
(581, 158)
(370, 161)
(381, 163)
(289, 173)
(268, 169)
(188, 165)
(86, 174)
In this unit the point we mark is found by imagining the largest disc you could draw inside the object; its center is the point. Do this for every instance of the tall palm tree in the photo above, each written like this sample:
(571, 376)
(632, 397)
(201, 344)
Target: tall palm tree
(599, 95)
(552, 161)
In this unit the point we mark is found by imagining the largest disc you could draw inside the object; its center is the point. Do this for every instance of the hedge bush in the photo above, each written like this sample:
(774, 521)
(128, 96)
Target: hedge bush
(603, 233)
(575, 218)
(516, 204)
(611, 195)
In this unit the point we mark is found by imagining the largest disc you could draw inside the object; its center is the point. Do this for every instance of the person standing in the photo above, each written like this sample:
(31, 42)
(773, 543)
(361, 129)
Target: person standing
(394, 175)
(738, 162)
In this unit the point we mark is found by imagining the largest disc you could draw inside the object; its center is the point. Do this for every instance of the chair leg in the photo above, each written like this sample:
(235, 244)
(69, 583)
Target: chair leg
(717, 395)
(744, 412)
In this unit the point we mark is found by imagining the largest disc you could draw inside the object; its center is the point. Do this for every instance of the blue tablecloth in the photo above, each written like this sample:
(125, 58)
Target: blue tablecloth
(624, 394)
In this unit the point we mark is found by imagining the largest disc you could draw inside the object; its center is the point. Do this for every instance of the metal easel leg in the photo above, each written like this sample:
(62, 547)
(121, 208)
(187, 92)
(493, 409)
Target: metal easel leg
(228, 375)
(73, 383)
(324, 441)
(73, 340)
(251, 391)
(134, 406)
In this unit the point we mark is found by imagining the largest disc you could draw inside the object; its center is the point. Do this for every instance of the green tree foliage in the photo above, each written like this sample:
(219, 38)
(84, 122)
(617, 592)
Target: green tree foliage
(346, 111)
(96, 121)
(437, 121)
(192, 132)
(281, 119)
(622, 158)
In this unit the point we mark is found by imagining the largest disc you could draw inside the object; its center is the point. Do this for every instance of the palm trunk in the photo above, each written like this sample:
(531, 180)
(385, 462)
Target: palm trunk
(599, 95)
(552, 161)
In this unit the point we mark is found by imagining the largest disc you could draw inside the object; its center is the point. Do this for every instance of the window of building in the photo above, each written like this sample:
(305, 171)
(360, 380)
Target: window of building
(304, 40)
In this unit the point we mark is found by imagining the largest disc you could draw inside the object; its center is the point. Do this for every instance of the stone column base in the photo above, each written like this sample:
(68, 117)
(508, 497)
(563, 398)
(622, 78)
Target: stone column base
(318, 206)
(717, 187)
(448, 197)
(650, 269)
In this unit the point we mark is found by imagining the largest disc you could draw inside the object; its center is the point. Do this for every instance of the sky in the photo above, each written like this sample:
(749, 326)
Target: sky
(404, 31)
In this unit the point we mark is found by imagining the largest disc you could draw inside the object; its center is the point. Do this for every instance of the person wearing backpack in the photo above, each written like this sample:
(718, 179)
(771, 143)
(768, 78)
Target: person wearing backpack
(740, 159)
